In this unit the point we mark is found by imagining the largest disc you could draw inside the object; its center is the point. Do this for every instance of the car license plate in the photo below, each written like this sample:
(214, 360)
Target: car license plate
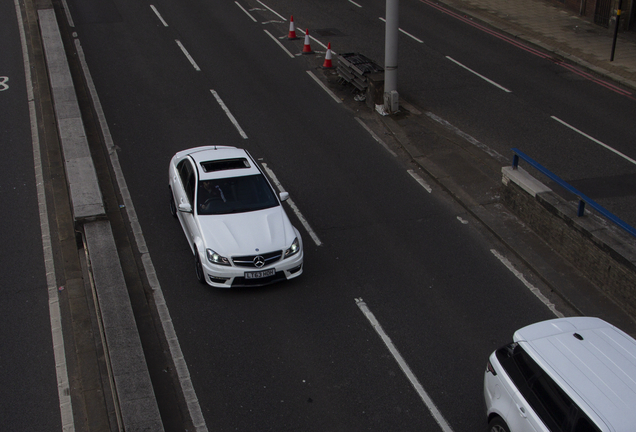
(260, 274)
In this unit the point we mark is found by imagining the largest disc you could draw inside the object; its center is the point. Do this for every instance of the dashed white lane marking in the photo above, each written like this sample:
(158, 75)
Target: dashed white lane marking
(272, 10)
(627, 158)
(279, 44)
(437, 415)
(479, 75)
(246, 12)
(297, 212)
(406, 33)
(154, 9)
(420, 180)
(187, 54)
(531, 287)
(55, 315)
(324, 87)
(376, 137)
(229, 114)
(352, 2)
(181, 367)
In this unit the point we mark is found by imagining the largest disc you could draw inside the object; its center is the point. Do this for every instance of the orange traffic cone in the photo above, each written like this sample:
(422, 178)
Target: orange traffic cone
(292, 29)
(327, 64)
(307, 47)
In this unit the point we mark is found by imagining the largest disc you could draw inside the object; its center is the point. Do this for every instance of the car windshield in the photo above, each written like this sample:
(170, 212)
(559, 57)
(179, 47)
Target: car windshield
(234, 195)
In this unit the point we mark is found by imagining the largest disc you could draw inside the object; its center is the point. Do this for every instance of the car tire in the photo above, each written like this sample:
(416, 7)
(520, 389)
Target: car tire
(198, 267)
(497, 425)
(173, 206)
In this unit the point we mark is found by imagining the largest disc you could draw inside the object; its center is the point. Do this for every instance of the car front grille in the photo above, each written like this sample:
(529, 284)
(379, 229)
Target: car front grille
(248, 260)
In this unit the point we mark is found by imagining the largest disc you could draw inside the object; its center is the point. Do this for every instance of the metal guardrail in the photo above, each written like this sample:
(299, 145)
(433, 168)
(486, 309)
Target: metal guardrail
(583, 199)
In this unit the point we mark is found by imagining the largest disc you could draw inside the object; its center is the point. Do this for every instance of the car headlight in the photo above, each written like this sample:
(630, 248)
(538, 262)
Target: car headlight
(215, 258)
(293, 249)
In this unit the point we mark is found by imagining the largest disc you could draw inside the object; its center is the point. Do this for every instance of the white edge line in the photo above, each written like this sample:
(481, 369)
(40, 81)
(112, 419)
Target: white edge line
(67, 11)
(229, 114)
(181, 367)
(595, 140)
(479, 75)
(375, 137)
(154, 9)
(420, 180)
(528, 285)
(55, 314)
(243, 9)
(271, 10)
(279, 44)
(405, 32)
(324, 87)
(299, 215)
(435, 412)
(187, 54)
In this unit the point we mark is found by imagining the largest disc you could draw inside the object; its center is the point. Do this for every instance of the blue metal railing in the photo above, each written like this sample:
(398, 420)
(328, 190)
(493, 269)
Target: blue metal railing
(583, 199)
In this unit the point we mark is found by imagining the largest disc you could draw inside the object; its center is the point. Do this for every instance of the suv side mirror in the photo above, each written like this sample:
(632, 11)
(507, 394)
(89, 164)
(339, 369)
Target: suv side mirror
(283, 196)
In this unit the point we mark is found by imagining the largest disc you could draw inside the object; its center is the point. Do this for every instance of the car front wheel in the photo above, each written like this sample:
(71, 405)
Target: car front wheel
(497, 425)
(199, 268)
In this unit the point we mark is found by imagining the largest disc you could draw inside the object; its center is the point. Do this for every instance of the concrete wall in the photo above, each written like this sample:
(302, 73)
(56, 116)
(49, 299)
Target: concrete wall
(603, 252)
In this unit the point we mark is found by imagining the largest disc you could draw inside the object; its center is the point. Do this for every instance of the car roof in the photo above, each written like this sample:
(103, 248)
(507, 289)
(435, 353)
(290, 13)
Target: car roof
(214, 162)
(593, 361)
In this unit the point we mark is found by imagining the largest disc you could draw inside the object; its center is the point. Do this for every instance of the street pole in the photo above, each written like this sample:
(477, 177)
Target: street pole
(391, 97)
(618, 18)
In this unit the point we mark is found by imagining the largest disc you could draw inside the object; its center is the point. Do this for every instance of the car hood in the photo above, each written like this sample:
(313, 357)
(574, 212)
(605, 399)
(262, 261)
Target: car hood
(247, 233)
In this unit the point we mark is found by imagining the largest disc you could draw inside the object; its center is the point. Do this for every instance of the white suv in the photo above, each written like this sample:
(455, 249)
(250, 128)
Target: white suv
(567, 374)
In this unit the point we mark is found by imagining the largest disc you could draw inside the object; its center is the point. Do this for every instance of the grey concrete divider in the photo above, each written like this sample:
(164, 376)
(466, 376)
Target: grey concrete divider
(86, 198)
(601, 251)
(137, 403)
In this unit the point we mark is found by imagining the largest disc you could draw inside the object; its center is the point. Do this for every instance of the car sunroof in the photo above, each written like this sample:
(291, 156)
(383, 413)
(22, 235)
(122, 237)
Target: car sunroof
(225, 164)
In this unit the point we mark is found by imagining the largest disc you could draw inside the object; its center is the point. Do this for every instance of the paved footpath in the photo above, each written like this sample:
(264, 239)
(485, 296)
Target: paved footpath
(563, 32)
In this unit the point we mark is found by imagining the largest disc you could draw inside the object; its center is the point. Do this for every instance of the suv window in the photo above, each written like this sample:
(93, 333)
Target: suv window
(547, 399)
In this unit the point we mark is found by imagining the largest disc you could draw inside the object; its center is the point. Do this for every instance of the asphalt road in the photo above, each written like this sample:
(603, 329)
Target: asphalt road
(303, 355)
(28, 398)
(300, 355)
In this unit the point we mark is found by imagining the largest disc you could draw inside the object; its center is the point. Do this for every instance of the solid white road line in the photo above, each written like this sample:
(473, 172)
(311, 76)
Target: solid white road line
(627, 158)
(406, 33)
(479, 75)
(154, 9)
(187, 54)
(229, 114)
(324, 87)
(467, 137)
(279, 44)
(420, 180)
(437, 415)
(180, 364)
(246, 12)
(375, 137)
(55, 314)
(297, 212)
(531, 287)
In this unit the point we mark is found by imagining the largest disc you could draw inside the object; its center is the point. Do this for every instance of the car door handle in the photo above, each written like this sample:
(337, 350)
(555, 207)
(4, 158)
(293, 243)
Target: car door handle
(522, 411)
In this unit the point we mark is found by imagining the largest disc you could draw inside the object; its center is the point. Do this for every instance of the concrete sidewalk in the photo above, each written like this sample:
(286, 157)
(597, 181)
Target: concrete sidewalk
(564, 33)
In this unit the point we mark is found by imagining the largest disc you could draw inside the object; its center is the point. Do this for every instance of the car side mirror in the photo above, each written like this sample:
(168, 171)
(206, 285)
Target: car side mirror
(185, 207)
(283, 196)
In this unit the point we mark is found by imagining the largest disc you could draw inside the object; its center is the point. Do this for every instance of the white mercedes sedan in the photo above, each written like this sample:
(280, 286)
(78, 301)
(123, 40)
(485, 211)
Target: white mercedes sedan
(235, 223)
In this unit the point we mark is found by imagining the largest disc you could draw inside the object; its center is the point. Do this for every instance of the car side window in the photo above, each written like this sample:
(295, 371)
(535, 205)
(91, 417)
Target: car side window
(186, 173)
